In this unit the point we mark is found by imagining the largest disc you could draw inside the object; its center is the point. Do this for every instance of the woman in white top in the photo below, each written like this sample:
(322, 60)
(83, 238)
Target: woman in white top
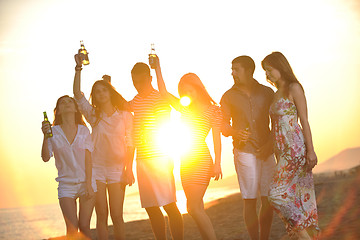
(71, 146)
(113, 149)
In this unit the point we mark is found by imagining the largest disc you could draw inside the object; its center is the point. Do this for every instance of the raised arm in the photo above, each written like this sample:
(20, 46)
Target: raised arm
(77, 77)
(174, 101)
(297, 93)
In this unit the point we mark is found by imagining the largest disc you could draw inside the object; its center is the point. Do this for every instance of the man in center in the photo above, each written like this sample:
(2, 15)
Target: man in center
(154, 168)
(245, 108)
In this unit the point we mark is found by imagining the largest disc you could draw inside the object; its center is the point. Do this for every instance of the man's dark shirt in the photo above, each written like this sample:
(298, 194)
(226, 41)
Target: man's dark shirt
(251, 112)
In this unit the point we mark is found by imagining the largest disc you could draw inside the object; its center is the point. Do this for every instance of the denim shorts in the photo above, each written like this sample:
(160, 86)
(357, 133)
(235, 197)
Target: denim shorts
(109, 175)
(73, 190)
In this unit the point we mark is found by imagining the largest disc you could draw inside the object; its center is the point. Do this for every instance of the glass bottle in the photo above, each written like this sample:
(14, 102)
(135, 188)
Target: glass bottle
(152, 57)
(85, 54)
(242, 143)
(49, 133)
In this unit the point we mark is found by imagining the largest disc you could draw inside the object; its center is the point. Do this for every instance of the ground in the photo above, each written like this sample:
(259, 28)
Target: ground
(338, 199)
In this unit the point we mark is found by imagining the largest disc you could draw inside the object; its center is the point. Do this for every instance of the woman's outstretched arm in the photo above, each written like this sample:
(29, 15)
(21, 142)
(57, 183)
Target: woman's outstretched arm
(174, 101)
(77, 77)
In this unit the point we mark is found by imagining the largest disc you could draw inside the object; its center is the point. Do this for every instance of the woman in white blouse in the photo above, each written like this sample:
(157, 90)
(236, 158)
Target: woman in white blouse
(71, 146)
(113, 149)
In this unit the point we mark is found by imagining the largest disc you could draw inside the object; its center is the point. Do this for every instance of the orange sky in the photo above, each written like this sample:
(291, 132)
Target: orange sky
(39, 38)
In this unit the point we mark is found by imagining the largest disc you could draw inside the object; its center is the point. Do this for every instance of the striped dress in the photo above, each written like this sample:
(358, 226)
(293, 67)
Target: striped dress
(197, 164)
(154, 168)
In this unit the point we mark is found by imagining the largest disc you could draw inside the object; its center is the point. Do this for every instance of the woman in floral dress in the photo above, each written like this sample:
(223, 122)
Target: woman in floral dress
(292, 192)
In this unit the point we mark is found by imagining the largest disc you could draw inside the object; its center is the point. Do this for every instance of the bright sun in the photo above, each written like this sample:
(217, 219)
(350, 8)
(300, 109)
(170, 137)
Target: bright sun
(174, 136)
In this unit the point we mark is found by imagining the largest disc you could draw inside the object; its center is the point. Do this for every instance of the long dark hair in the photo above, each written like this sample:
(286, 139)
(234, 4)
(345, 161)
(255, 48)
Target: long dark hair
(116, 99)
(193, 80)
(278, 61)
(57, 116)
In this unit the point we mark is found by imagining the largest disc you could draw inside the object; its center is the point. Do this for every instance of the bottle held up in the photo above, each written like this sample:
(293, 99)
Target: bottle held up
(84, 53)
(48, 133)
(152, 57)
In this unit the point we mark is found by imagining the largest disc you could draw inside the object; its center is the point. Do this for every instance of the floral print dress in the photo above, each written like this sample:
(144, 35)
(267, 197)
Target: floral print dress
(292, 192)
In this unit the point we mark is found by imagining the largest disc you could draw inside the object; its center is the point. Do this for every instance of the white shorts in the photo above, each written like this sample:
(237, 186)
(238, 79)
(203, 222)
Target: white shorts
(73, 190)
(254, 175)
(156, 182)
(109, 175)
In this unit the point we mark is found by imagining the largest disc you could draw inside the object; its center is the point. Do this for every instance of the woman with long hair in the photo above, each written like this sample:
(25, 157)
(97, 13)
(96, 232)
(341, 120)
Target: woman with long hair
(292, 192)
(71, 146)
(197, 166)
(113, 150)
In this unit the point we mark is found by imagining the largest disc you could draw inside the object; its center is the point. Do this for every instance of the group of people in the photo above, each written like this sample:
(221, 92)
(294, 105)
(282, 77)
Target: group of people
(97, 167)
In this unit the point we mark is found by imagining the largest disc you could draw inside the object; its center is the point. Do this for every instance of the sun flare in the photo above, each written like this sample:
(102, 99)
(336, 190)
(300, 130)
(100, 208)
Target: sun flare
(185, 101)
(173, 137)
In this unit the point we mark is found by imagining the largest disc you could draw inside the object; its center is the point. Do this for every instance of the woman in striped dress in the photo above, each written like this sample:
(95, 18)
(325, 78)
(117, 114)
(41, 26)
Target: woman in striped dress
(197, 166)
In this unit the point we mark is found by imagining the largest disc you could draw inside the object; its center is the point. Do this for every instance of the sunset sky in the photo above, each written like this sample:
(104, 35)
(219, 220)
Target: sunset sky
(320, 38)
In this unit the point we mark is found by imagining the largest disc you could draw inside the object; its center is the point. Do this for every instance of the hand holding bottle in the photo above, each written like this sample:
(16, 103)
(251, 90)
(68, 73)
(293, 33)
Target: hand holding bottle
(84, 54)
(154, 62)
(242, 135)
(153, 58)
(81, 58)
(78, 59)
(46, 127)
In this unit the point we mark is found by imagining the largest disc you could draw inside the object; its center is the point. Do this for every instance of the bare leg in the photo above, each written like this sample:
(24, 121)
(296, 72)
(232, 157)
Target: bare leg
(195, 206)
(176, 221)
(313, 232)
(157, 221)
(86, 208)
(303, 235)
(101, 208)
(69, 211)
(266, 216)
(251, 218)
(116, 202)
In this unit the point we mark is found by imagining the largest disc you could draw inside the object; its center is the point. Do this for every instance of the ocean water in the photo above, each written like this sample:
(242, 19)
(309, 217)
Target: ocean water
(45, 221)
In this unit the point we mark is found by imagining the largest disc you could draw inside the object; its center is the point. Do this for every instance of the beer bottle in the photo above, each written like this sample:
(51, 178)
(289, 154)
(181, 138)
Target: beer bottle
(85, 54)
(152, 57)
(242, 143)
(49, 133)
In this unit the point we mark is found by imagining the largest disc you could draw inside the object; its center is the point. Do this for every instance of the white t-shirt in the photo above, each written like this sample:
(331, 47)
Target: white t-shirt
(70, 158)
(111, 134)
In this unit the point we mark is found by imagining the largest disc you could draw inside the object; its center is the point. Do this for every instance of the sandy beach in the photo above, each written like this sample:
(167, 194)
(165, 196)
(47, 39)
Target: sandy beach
(338, 198)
